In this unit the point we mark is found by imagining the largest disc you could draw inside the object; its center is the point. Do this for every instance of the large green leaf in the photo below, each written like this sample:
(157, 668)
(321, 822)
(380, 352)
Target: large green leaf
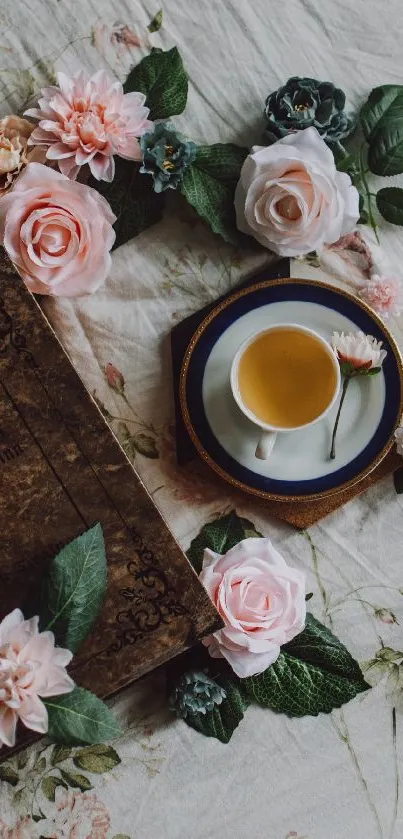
(74, 589)
(313, 673)
(163, 79)
(390, 203)
(209, 186)
(382, 123)
(317, 645)
(221, 722)
(98, 758)
(80, 717)
(220, 535)
(132, 198)
(381, 107)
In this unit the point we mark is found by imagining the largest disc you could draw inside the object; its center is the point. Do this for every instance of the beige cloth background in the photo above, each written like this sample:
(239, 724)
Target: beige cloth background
(331, 777)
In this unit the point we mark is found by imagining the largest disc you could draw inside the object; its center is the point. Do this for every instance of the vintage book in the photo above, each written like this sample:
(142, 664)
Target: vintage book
(61, 471)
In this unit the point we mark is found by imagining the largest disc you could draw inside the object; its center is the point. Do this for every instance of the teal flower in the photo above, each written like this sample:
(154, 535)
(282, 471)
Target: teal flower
(302, 103)
(196, 693)
(166, 156)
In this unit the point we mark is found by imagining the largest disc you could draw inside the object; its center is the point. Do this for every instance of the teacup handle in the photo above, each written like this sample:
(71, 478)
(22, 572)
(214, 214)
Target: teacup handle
(265, 445)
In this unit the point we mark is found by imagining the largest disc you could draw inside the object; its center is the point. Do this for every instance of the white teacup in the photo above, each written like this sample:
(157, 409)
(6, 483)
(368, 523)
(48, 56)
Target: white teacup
(268, 437)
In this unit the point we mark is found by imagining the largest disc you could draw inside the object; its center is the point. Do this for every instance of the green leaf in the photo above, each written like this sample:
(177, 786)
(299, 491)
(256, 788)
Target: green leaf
(76, 781)
(209, 186)
(40, 764)
(382, 106)
(221, 722)
(220, 535)
(98, 758)
(163, 79)
(59, 753)
(120, 836)
(22, 759)
(382, 123)
(145, 445)
(49, 786)
(156, 23)
(80, 717)
(317, 645)
(132, 199)
(74, 588)
(398, 480)
(390, 204)
(314, 673)
(8, 774)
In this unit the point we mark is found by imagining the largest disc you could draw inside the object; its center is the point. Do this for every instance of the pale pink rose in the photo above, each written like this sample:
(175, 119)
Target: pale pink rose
(79, 816)
(88, 120)
(384, 295)
(291, 198)
(58, 233)
(261, 600)
(23, 829)
(30, 667)
(14, 151)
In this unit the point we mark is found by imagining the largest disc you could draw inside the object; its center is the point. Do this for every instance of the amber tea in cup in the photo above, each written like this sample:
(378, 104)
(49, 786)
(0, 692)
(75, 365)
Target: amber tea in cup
(283, 378)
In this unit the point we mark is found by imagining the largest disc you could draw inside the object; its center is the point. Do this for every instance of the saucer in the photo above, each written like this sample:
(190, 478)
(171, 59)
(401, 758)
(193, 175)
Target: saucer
(299, 467)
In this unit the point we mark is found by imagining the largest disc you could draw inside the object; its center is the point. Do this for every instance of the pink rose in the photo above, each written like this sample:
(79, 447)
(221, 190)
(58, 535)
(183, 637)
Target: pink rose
(57, 232)
(261, 600)
(291, 198)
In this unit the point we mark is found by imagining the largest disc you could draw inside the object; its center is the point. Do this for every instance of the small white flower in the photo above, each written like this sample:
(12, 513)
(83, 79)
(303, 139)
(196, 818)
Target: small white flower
(363, 352)
(399, 440)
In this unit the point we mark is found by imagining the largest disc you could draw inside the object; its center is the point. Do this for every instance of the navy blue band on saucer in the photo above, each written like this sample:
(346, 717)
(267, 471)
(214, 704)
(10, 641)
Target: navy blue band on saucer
(308, 292)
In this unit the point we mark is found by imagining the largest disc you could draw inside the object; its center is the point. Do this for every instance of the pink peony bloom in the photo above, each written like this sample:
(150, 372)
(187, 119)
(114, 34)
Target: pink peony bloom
(88, 120)
(384, 295)
(79, 816)
(30, 667)
(261, 600)
(58, 233)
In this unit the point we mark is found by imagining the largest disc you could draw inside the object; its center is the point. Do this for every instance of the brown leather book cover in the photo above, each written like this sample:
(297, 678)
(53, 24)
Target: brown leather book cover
(61, 471)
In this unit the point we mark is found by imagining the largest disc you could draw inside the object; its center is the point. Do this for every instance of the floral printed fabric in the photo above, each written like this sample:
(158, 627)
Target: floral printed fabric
(334, 777)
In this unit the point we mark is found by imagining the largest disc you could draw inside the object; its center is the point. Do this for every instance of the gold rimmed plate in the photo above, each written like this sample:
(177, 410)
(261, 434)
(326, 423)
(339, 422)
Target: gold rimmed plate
(299, 468)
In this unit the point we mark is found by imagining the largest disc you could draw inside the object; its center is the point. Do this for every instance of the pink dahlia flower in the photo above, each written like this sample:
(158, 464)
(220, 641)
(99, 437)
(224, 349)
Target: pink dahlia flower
(384, 295)
(88, 120)
(30, 667)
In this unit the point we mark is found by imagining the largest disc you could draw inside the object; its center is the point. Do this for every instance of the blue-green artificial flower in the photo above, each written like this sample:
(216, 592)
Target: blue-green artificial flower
(196, 693)
(303, 102)
(166, 156)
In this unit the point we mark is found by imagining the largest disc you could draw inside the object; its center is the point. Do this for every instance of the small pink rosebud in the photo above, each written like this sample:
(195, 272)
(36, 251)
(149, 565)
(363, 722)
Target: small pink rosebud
(385, 615)
(114, 377)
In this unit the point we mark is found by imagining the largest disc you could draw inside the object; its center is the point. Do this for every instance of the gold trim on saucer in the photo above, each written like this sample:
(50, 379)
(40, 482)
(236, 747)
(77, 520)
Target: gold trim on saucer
(271, 496)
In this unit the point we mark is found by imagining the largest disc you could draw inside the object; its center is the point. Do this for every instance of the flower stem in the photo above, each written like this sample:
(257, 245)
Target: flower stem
(367, 192)
(336, 424)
